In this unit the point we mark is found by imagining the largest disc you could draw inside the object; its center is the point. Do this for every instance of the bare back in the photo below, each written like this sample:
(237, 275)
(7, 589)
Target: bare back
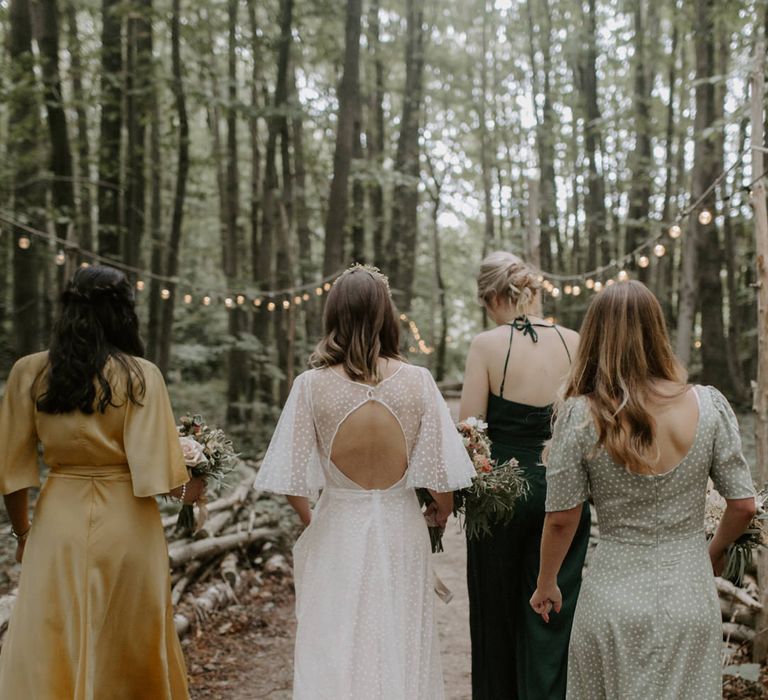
(524, 366)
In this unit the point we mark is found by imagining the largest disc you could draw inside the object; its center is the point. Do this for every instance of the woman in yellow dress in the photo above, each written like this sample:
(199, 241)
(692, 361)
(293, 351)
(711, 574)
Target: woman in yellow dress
(93, 618)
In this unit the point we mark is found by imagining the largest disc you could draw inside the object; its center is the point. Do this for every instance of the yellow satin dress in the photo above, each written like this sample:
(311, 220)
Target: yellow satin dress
(93, 619)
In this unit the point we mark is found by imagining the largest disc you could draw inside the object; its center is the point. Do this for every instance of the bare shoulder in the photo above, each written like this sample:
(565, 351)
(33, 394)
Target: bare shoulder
(489, 340)
(570, 337)
(31, 364)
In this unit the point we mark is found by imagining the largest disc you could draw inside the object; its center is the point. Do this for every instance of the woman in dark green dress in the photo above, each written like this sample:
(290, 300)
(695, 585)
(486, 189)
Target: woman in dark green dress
(512, 378)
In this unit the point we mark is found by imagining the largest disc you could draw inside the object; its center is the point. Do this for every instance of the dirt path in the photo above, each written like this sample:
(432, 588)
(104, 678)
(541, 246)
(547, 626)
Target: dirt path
(246, 653)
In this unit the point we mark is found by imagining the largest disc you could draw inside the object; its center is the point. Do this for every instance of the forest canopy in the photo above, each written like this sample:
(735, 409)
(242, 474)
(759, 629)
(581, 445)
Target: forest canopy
(234, 156)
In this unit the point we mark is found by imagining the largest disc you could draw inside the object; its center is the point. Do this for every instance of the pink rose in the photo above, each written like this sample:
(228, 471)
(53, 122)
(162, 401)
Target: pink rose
(193, 451)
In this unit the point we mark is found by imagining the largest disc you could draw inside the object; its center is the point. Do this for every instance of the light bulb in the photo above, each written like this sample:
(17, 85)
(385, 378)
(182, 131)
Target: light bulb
(140, 285)
(206, 300)
(24, 242)
(228, 302)
(705, 217)
(576, 290)
(643, 261)
(165, 294)
(240, 299)
(187, 298)
(675, 231)
(598, 286)
(590, 283)
(623, 275)
(659, 250)
(60, 259)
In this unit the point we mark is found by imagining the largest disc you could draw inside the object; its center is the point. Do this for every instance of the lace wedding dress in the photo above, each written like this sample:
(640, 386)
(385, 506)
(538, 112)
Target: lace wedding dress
(364, 583)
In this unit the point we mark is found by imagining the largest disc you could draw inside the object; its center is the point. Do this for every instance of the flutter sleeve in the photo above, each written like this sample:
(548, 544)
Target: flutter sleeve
(18, 434)
(567, 477)
(292, 464)
(151, 440)
(438, 459)
(729, 471)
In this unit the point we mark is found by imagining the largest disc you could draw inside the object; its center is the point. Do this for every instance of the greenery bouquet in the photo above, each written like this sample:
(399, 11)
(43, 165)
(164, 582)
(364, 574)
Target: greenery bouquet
(739, 557)
(208, 454)
(494, 492)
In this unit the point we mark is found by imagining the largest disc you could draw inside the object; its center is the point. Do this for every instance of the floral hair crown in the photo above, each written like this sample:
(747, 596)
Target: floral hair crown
(374, 272)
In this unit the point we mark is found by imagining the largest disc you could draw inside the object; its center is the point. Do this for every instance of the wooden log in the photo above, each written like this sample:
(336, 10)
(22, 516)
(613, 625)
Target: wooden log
(732, 611)
(726, 588)
(215, 597)
(735, 632)
(229, 570)
(215, 524)
(201, 549)
(6, 608)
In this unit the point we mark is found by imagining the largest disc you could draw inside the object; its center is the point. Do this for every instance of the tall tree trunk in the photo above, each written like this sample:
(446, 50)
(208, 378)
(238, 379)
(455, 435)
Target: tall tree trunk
(110, 229)
(706, 163)
(83, 189)
(237, 375)
(442, 302)
(358, 192)
(28, 190)
(139, 96)
(485, 147)
(404, 236)
(182, 171)
(349, 97)
(157, 265)
(375, 136)
(253, 123)
(640, 188)
(270, 194)
(545, 136)
(62, 190)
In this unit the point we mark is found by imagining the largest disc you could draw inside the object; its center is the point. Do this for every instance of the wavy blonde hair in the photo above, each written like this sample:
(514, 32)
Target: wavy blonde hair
(624, 346)
(361, 325)
(506, 277)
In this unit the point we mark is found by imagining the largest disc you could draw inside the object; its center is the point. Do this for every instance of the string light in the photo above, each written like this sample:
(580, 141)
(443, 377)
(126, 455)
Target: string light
(271, 306)
(206, 300)
(643, 261)
(305, 296)
(675, 231)
(60, 258)
(590, 283)
(228, 302)
(257, 302)
(286, 304)
(165, 294)
(297, 300)
(697, 344)
(705, 217)
(24, 242)
(327, 286)
(576, 290)
(609, 282)
(659, 250)
(187, 298)
(319, 291)
(597, 285)
(240, 299)
(85, 264)
(555, 292)
(140, 285)
(623, 275)
(568, 289)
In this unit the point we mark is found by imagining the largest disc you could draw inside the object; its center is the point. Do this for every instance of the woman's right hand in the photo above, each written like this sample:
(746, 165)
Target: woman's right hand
(193, 490)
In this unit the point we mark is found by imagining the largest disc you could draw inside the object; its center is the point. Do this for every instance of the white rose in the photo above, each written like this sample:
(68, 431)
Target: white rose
(193, 451)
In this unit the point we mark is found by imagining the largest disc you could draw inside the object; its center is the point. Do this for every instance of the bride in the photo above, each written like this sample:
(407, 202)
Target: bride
(366, 429)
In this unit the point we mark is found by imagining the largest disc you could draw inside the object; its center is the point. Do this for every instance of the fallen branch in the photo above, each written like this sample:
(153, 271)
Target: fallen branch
(728, 589)
(180, 554)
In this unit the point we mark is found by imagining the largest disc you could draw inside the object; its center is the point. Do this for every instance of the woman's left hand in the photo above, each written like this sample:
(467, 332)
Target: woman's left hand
(546, 599)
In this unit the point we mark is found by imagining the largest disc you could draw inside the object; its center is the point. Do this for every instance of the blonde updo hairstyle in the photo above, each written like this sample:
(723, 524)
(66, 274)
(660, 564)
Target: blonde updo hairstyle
(506, 277)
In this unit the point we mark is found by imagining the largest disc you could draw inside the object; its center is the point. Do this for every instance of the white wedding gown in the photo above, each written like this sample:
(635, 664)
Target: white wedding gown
(364, 582)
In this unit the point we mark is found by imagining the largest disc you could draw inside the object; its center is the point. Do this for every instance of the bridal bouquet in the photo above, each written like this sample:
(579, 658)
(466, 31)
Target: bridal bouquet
(208, 454)
(738, 558)
(494, 492)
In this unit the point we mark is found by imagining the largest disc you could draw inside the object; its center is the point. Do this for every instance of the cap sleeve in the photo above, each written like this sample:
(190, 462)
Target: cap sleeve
(567, 478)
(18, 434)
(729, 471)
(292, 465)
(438, 460)
(151, 440)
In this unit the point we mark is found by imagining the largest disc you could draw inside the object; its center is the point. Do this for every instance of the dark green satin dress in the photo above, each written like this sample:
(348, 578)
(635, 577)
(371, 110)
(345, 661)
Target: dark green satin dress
(515, 655)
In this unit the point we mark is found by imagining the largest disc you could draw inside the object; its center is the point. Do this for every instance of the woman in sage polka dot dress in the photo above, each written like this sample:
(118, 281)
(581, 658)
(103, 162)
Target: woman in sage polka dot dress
(643, 443)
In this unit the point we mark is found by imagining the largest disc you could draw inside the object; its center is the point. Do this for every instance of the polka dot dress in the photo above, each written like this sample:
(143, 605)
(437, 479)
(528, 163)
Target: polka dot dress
(647, 623)
(364, 583)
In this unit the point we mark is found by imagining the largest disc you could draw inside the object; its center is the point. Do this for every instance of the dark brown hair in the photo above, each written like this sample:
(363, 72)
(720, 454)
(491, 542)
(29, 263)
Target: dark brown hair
(361, 325)
(624, 345)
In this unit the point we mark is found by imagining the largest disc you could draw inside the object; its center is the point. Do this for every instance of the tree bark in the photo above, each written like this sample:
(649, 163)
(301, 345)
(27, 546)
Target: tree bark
(404, 235)
(349, 97)
(375, 136)
(110, 228)
(83, 188)
(182, 172)
(28, 189)
(138, 100)
(485, 147)
(707, 163)
(62, 190)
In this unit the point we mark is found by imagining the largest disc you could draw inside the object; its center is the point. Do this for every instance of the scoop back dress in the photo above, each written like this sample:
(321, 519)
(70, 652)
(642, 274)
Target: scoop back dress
(93, 617)
(363, 576)
(647, 622)
(514, 654)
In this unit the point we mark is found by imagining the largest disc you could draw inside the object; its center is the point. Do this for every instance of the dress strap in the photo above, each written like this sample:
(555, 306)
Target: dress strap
(565, 345)
(521, 323)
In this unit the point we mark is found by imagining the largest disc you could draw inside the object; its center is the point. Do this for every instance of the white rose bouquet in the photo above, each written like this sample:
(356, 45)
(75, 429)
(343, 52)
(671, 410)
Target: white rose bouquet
(208, 454)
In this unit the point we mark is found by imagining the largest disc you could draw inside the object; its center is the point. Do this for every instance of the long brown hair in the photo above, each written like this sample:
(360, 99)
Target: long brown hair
(624, 345)
(361, 325)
